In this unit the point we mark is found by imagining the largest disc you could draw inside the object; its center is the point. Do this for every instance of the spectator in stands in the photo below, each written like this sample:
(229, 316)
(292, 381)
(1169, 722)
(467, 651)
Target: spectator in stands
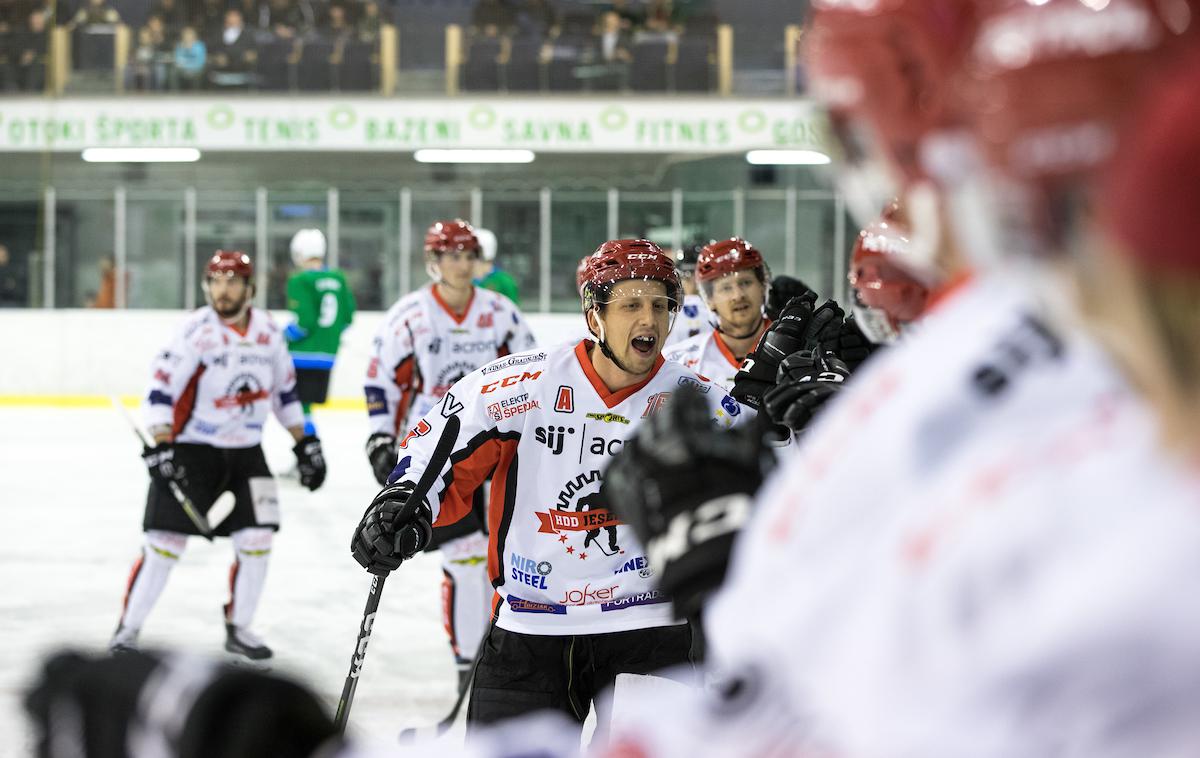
(537, 18)
(190, 55)
(29, 54)
(370, 22)
(96, 12)
(12, 282)
(337, 29)
(164, 40)
(490, 17)
(141, 71)
(286, 19)
(233, 51)
(630, 16)
(660, 19)
(209, 19)
(172, 15)
(614, 39)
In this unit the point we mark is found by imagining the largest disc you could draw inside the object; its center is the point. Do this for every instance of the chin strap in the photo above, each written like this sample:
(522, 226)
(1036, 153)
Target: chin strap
(604, 348)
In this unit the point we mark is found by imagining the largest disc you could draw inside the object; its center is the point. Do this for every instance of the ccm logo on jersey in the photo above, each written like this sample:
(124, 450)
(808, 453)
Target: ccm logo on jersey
(509, 381)
(420, 430)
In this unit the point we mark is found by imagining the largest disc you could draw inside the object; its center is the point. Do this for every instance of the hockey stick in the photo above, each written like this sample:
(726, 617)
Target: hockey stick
(441, 454)
(195, 516)
(410, 734)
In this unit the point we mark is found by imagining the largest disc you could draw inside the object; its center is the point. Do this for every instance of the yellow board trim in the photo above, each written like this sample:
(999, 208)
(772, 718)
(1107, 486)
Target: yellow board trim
(132, 401)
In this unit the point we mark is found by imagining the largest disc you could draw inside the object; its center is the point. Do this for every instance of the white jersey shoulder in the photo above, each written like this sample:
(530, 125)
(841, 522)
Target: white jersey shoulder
(694, 319)
(708, 356)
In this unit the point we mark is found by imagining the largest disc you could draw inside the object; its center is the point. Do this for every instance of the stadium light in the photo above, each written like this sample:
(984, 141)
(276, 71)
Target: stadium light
(141, 155)
(787, 158)
(466, 155)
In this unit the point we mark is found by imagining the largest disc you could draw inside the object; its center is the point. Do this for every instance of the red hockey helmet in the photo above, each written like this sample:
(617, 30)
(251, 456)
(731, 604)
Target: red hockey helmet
(229, 263)
(1048, 91)
(630, 259)
(1049, 85)
(882, 68)
(581, 273)
(727, 256)
(888, 291)
(1149, 191)
(449, 236)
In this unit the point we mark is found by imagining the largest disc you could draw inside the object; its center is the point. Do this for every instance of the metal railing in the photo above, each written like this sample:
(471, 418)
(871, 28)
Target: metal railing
(160, 241)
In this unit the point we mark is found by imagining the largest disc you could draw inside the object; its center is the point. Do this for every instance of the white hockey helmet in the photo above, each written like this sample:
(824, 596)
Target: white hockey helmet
(308, 244)
(487, 244)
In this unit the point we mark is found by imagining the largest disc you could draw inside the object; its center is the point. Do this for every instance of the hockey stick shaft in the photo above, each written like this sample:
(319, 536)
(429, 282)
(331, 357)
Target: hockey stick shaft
(189, 509)
(441, 454)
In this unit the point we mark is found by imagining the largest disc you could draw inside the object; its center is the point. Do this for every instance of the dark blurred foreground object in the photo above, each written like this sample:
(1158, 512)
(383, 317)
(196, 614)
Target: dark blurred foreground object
(173, 706)
(686, 488)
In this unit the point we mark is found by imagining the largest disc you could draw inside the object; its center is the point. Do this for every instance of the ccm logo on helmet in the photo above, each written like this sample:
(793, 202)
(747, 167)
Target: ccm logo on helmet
(509, 381)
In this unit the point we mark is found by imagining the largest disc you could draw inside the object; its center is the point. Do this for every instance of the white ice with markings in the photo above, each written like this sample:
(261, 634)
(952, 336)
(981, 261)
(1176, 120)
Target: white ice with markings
(72, 491)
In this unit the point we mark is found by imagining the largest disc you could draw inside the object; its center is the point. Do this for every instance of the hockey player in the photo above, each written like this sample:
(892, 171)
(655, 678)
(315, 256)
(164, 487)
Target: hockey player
(733, 280)
(324, 306)
(890, 290)
(211, 391)
(429, 340)
(575, 603)
(488, 273)
(694, 316)
(980, 587)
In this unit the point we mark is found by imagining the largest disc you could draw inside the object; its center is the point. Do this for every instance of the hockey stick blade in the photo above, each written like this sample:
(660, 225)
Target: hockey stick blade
(441, 454)
(189, 509)
(410, 735)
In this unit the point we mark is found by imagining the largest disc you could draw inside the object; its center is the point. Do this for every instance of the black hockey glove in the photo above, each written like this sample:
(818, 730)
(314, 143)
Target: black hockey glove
(160, 462)
(310, 461)
(381, 451)
(686, 487)
(786, 336)
(807, 380)
(783, 290)
(393, 529)
(824, 329)
(850, 344)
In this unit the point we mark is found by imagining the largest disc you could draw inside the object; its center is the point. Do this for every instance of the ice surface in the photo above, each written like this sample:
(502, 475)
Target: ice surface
(72, 491)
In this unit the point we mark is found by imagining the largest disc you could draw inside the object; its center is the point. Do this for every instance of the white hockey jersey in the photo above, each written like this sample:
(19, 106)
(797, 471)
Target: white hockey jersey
(980, 385)
(694, 319)
(422, 348)
(708, 355)
(546, 425)
(215, 386)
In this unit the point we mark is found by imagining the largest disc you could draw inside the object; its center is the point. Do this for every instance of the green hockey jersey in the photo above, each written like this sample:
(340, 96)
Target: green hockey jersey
(324, 307)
